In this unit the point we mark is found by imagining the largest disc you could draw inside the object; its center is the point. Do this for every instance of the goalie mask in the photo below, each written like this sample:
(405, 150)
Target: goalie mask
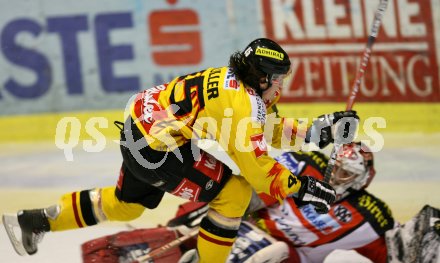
(353, 170)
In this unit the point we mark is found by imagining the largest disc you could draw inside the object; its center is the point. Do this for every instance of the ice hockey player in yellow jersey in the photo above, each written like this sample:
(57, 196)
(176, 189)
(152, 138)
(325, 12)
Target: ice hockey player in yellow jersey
(159, 138)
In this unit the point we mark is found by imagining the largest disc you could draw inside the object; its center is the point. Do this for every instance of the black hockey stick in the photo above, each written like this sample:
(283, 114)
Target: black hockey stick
(357, 82)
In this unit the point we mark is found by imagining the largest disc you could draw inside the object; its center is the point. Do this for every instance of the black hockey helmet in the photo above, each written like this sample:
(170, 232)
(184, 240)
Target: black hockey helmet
(267, 56)
(262, 58)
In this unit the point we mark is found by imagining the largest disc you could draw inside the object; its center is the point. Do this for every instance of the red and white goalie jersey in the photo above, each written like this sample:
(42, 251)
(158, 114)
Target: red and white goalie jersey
(358, 222)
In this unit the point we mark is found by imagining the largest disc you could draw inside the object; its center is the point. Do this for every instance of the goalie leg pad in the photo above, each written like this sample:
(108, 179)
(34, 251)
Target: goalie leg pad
(130, 245)
(254, 245)
(409, 242)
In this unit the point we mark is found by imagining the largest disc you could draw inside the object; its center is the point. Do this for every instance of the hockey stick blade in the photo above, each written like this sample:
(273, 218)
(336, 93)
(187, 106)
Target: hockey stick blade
(10, 222)
(159, 251)
(380, 12)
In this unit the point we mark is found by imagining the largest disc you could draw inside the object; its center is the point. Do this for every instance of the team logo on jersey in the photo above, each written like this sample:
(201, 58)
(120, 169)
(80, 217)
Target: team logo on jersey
(258, 107)
(150, 103)
(187, 190)
(230, 81)
(342, 214)
(210, 167)
(376, 210)
(209, 185)
(259, 144)
(289, 231)
(323, 222)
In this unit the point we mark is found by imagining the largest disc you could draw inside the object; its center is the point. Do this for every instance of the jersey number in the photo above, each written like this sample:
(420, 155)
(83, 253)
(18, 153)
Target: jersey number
(193, 100)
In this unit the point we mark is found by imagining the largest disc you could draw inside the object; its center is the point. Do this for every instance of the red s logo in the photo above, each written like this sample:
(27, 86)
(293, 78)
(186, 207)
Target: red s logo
(259, 144)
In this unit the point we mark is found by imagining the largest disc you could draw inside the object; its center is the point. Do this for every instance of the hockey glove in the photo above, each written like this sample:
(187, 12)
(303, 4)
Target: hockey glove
(318, 193)
(327, 128)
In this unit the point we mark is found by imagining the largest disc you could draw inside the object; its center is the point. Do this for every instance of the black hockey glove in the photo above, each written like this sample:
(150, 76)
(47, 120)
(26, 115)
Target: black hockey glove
(322, 134)
(318, 193)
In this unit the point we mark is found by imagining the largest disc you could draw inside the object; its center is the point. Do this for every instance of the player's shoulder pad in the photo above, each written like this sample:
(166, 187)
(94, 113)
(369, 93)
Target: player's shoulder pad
(315, 159)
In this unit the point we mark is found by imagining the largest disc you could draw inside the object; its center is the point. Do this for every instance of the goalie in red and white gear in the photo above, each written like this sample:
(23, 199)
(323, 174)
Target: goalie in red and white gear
(356, 221)
(353, 170)
(294, 231)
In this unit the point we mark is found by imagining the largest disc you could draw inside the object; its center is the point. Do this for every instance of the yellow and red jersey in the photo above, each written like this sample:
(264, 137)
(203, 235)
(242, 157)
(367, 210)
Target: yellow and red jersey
(213, 104)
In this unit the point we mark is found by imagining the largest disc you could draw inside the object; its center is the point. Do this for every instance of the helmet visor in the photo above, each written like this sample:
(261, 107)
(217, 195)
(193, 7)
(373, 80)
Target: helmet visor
(342, 177)
(272, 87)
(280, 78)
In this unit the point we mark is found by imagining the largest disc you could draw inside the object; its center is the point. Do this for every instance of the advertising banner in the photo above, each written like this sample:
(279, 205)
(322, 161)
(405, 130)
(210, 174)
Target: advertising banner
(82, 55)
(325, 41)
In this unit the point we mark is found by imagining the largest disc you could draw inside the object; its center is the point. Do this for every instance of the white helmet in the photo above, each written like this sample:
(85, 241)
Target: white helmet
(354, 169)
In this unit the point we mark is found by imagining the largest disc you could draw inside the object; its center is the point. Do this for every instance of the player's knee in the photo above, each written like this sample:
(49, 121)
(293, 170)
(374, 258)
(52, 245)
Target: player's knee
(114, 209)
(243, 194)
(234, 198)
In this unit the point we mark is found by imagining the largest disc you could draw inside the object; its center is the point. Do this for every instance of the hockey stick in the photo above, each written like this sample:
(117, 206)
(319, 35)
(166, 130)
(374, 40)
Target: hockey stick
(357, 82)
(161, 250)
(189, 221)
